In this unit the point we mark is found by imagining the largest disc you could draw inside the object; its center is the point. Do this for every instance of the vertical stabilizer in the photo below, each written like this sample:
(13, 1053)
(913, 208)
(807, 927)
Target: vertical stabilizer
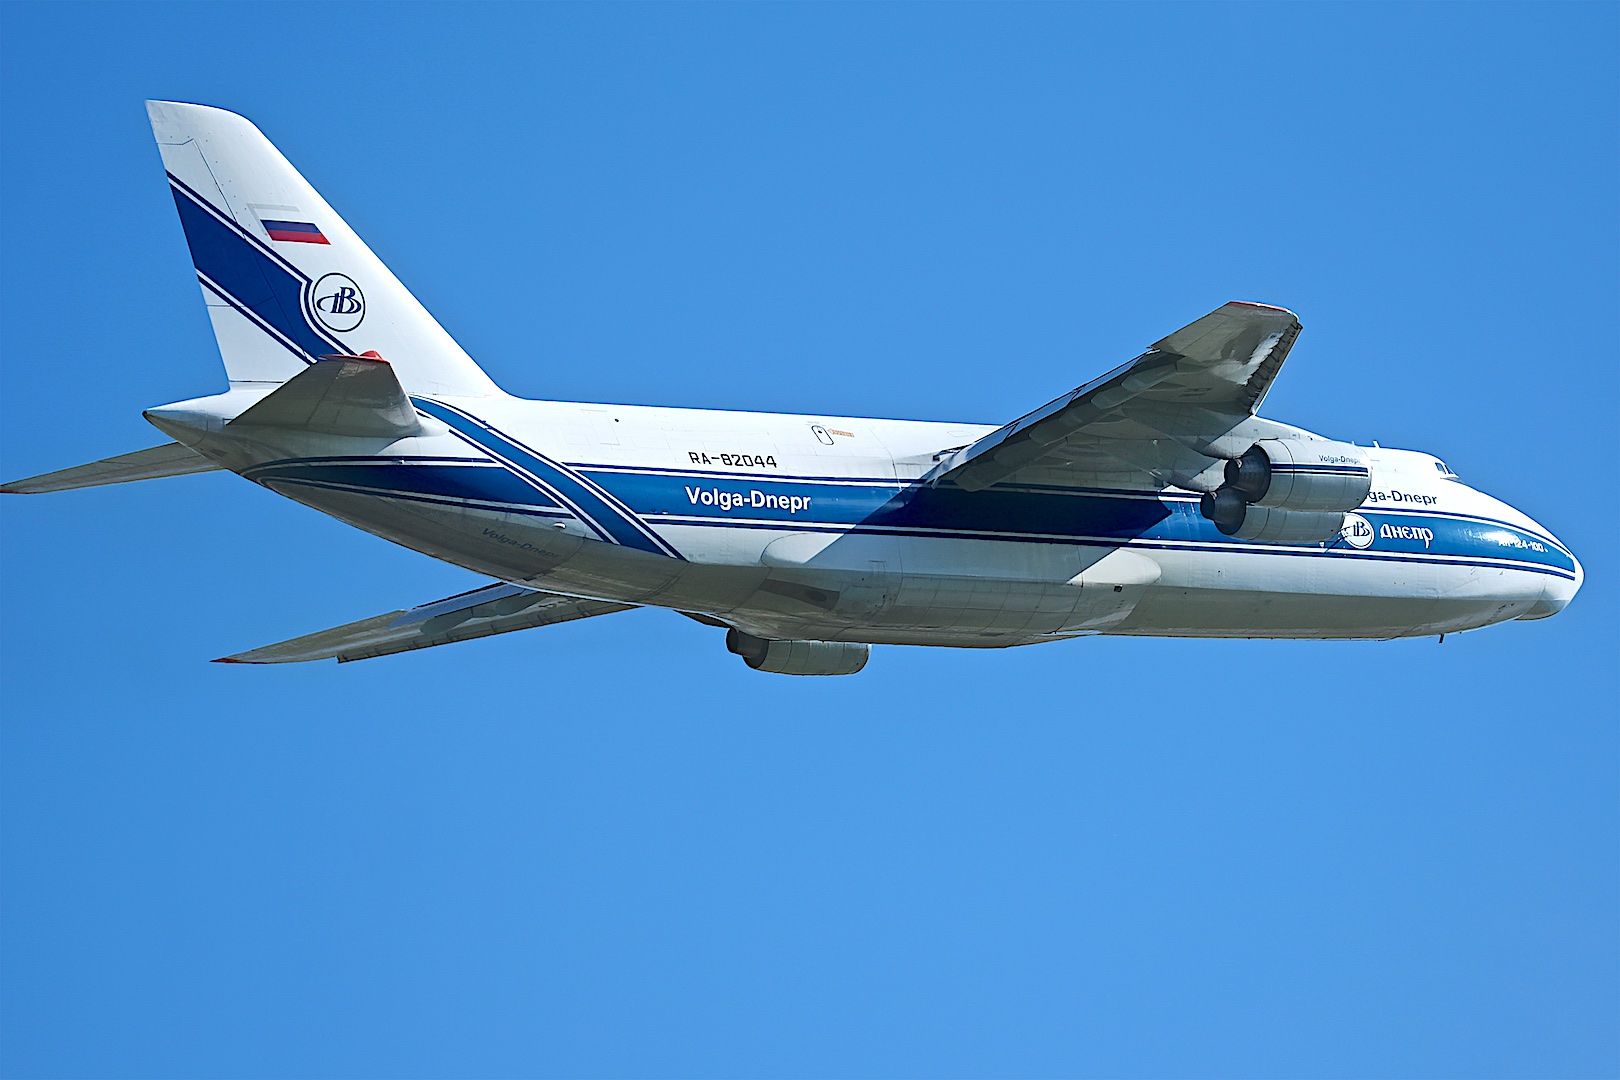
(284, 279)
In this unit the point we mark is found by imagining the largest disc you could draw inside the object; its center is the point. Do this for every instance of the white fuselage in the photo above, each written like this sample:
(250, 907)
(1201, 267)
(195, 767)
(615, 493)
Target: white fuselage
(826, 528)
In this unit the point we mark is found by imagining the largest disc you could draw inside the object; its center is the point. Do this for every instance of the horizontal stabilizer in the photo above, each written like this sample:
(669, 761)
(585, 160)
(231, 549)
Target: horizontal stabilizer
(339, 395)
(494, 609)
(170, 459)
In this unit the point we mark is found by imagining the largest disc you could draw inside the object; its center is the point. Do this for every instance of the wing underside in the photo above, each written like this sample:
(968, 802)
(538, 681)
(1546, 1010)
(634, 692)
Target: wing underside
(494, 609)
(170, 459)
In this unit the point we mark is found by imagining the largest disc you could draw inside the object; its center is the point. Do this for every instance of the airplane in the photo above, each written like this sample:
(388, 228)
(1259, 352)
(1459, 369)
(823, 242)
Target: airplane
(1153, 500)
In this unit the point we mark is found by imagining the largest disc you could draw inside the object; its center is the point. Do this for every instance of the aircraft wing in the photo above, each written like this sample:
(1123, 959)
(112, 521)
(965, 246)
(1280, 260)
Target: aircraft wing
(494, 609)
(170, 459)
(1164, 414)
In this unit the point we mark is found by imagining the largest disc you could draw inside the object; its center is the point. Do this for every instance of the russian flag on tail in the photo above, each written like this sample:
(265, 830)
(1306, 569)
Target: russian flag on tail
(294, 232)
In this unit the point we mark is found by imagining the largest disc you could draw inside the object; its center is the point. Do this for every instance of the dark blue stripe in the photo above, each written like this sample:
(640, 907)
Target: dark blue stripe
(253, 318)
(488, 483)
(373, 459)
(596, 507)
(250, 278)
(921, 506)
(275, 483)
(1326, 470)
(1164, 495)
(1181, 532)
(888, 481)
(1230, 546)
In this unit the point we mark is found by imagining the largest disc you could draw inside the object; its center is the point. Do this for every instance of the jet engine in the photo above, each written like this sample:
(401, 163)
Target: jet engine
(1289, 491)
(798, 657)
(1245, 521)
(1299, 474)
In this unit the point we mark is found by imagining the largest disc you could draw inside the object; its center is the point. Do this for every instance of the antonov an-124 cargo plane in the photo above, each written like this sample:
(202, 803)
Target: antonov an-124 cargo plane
(1153, 500)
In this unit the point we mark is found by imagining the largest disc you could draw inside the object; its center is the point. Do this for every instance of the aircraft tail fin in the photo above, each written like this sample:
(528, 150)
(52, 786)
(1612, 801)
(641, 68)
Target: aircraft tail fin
(285, 280)
(170, 459)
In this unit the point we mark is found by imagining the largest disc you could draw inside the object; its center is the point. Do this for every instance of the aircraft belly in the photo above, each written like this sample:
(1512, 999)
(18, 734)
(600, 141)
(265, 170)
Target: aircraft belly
(502, 545)
(1483, 596)
(897, 589)
(549, 553)
(1257, 594)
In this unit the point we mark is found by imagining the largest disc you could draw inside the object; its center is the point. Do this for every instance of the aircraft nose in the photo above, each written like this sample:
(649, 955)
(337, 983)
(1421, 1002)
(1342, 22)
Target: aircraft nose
(1557, 593)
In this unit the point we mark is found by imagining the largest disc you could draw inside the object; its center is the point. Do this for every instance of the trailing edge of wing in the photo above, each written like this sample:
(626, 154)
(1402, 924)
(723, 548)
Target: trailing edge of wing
(170, 459)
(1200, 381)
(494, 609)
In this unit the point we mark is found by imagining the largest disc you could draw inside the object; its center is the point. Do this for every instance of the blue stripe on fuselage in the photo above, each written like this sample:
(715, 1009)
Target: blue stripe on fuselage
(1011, 514)
(672, 498)
(485, 482)
(594, 505)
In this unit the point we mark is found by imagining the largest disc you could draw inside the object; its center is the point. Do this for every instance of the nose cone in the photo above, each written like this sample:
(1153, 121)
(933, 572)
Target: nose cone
(1559, 573)
(1557, 593)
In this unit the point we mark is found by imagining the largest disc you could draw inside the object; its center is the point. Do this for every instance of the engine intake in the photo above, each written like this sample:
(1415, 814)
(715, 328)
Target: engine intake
(1300, 474)
(798, 657)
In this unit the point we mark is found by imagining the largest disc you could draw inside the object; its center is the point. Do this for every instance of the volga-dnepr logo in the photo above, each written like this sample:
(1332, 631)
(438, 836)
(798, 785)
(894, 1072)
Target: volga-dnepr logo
(1357, 531)
(338, 303)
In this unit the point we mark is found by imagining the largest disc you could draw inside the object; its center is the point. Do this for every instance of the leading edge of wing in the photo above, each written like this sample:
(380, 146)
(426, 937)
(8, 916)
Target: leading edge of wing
(1211, 373)
(493, 609)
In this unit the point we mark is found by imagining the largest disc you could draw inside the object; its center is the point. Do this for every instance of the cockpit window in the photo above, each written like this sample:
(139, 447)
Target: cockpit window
(1445, 470)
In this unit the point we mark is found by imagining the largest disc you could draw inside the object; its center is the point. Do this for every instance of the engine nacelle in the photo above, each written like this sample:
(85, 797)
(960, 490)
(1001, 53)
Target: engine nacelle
(1301, 474)
(798, 657)
(1242, 521)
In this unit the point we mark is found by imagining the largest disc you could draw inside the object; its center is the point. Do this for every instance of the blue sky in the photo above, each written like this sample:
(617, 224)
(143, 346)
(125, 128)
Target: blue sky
(610, 849)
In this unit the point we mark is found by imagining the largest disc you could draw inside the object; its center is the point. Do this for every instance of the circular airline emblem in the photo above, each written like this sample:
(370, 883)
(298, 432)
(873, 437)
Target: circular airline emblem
(339, 303)
(1357, 531)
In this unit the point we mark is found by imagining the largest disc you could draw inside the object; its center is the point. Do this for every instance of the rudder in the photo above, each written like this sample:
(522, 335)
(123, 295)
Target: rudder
(285, 280)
